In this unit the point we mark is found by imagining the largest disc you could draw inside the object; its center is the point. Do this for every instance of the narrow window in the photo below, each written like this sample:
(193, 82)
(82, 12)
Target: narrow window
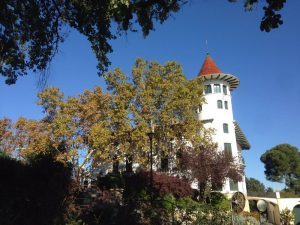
(233, 185)
(219, 104)
(226, 105)
(164, 163)
(207, 89)
(225, 89)
(227, 149)
(217, 88)
(225, 128)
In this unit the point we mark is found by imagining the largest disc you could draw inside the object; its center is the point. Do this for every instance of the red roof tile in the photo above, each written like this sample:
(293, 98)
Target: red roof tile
(209, 67)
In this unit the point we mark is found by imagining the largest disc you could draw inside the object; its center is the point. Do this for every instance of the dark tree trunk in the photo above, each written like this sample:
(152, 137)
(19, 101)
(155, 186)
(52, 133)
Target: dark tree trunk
(115, 165)
(202, 186)
(129, 162)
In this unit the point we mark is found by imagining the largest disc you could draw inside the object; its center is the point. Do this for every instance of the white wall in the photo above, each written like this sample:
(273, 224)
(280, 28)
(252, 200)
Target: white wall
(210, 111)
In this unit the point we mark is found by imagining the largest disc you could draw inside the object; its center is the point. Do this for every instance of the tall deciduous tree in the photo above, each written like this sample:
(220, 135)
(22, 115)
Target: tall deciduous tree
(97, 127)
(67, 128)
(31, 137)
(282, 164)
(31, 31)
(159, 95)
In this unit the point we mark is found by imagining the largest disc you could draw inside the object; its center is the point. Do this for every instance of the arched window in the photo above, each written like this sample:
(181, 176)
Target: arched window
(296, 212)
(225, 128)
(219, 104)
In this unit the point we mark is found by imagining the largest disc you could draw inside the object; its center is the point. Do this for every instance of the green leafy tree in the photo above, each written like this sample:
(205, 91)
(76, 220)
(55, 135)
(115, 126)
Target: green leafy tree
(159, 95)
(31, 31)
(269, 189)
(282, 164)
(271, 19)
(254, 185)
(68, 128)
(97, 127)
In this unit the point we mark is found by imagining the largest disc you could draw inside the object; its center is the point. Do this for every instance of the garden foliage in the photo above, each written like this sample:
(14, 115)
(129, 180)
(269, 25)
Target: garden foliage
(33, 192)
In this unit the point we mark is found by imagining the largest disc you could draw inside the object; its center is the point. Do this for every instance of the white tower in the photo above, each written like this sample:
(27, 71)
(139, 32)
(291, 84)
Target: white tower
(217, 113)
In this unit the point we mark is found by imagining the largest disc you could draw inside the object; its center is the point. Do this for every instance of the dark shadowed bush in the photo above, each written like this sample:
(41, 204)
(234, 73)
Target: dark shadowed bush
(162, 184)
(111, 180)
(33, 193)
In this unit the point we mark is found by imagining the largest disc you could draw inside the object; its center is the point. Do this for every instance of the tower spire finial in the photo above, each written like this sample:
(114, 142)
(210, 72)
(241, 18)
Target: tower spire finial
(206, 44)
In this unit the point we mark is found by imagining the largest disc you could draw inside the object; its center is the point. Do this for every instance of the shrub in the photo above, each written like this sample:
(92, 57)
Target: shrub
(111, 180)
(219, 201)
(244, 220)
(33, 193)
(254, 214)
(163, 184)
(286, 217)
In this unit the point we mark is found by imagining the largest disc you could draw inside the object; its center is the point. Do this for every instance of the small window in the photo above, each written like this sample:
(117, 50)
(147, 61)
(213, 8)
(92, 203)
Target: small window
(207, 89)
(226, 105)
(220, 104)
(217, 88)
(227, 149)
(225, 128)
(225, 89)
(233, 185)
(164, 163)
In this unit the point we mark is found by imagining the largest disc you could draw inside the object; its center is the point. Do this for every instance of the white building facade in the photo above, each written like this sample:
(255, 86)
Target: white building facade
(217, 114)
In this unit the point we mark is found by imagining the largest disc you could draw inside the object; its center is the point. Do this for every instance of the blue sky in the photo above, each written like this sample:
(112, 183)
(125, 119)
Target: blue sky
(267, 102)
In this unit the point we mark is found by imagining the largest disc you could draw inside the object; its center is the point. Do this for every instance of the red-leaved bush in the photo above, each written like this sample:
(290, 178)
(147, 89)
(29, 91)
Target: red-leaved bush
(165, 184)
(209, 167)
(162, 184)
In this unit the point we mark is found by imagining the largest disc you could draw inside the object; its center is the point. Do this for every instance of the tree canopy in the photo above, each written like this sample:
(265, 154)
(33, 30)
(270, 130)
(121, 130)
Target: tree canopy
(271, 19)
(31, 31)
(99, 126)
(282, 164)
(254, 185)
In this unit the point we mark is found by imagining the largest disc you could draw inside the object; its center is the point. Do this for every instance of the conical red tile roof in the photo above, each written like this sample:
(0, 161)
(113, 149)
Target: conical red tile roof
(209, 67)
